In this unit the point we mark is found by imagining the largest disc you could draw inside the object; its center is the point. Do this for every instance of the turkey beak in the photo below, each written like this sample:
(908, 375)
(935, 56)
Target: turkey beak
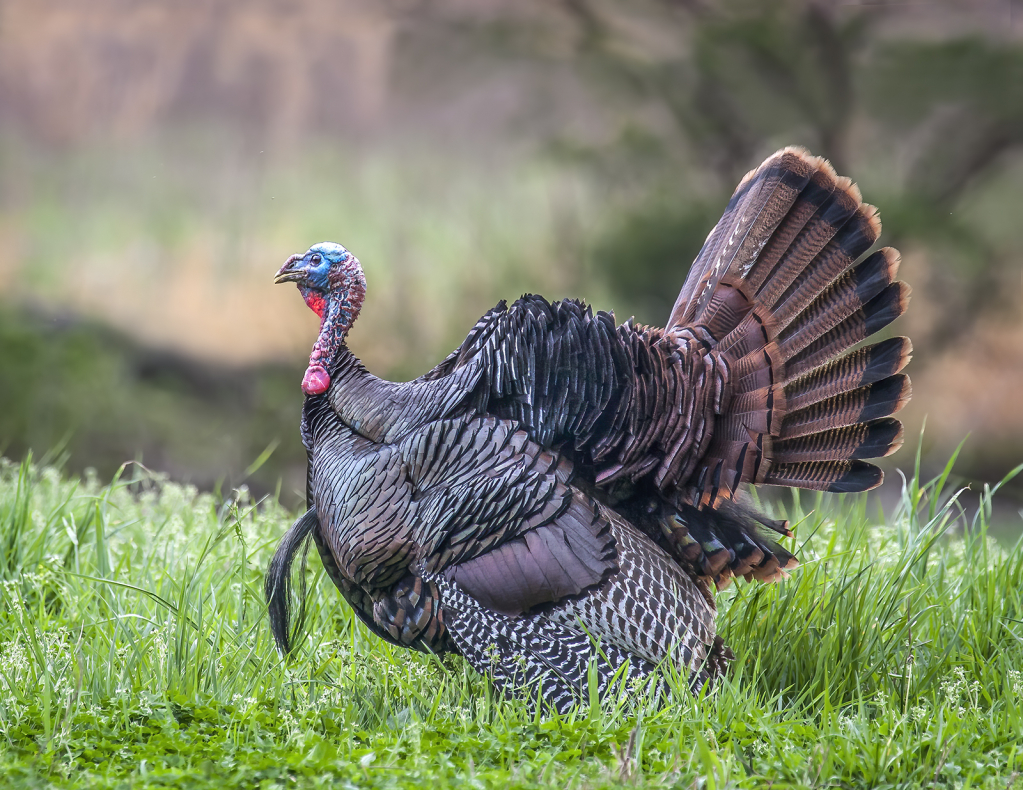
(288, 273)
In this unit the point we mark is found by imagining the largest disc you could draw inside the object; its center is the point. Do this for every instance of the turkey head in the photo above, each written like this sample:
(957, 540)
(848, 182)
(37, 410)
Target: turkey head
(331, 281)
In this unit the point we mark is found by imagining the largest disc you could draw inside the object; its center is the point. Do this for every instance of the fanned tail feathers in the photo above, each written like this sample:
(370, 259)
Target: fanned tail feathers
(778, 286)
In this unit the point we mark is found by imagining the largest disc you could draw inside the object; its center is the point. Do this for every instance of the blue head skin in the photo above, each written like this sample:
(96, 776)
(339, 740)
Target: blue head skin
(331, 281)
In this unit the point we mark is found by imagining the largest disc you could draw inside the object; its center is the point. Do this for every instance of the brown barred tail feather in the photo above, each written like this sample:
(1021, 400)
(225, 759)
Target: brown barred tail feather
(837, 477)
(781, 290)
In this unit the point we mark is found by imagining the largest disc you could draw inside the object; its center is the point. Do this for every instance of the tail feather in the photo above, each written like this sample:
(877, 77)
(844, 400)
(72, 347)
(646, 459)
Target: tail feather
(728, 541)
(849, 408)
(837, 477)
(858, 236)
(831, 403)
(779, 289)
(819, 190)
(810, 242)
(850, 372)
(852, 292)
(856, 285)
(762, 200)
(863, 440)
(803, 357)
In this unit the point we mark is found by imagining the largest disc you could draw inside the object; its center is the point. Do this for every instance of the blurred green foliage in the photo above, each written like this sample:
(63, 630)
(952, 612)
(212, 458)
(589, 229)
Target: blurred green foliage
(93, 398)
(639, 254)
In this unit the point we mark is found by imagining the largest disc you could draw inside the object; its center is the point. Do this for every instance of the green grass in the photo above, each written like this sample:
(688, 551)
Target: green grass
(134, 652)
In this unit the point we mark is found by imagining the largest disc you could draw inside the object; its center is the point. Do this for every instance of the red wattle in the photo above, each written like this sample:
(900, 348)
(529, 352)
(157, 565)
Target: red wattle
(315, 381)
(316, 302)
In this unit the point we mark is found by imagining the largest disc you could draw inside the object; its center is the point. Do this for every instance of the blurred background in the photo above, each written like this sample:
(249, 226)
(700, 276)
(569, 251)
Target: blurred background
(159, 160)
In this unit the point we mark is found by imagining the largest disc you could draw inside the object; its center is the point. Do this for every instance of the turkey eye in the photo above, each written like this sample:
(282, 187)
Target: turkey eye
(316, 259)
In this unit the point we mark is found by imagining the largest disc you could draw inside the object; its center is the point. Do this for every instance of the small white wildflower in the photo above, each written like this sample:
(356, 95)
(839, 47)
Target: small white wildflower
(160, 645)
(955, 688)
(15, 657)
(289, 720)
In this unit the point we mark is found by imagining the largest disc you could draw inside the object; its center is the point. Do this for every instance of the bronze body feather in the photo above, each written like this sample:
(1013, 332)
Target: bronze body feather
(559, 480)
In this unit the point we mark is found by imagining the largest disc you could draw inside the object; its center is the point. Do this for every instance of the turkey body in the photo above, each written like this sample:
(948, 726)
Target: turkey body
(561, 495)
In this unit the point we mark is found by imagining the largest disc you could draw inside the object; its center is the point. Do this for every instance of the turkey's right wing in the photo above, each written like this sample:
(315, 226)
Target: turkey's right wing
(473, 506)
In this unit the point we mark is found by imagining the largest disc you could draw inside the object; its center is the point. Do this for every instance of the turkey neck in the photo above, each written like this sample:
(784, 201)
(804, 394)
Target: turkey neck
(339, 314)
(336, 318)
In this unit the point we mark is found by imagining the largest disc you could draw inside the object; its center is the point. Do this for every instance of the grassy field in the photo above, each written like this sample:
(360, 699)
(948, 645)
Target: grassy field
(134, 652)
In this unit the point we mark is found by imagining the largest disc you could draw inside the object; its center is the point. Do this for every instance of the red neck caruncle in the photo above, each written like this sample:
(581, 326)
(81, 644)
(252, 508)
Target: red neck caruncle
(314, 300)
(337, 312)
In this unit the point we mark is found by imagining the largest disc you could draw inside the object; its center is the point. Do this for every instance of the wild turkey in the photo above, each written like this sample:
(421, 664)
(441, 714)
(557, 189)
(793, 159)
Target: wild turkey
(561, 492)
